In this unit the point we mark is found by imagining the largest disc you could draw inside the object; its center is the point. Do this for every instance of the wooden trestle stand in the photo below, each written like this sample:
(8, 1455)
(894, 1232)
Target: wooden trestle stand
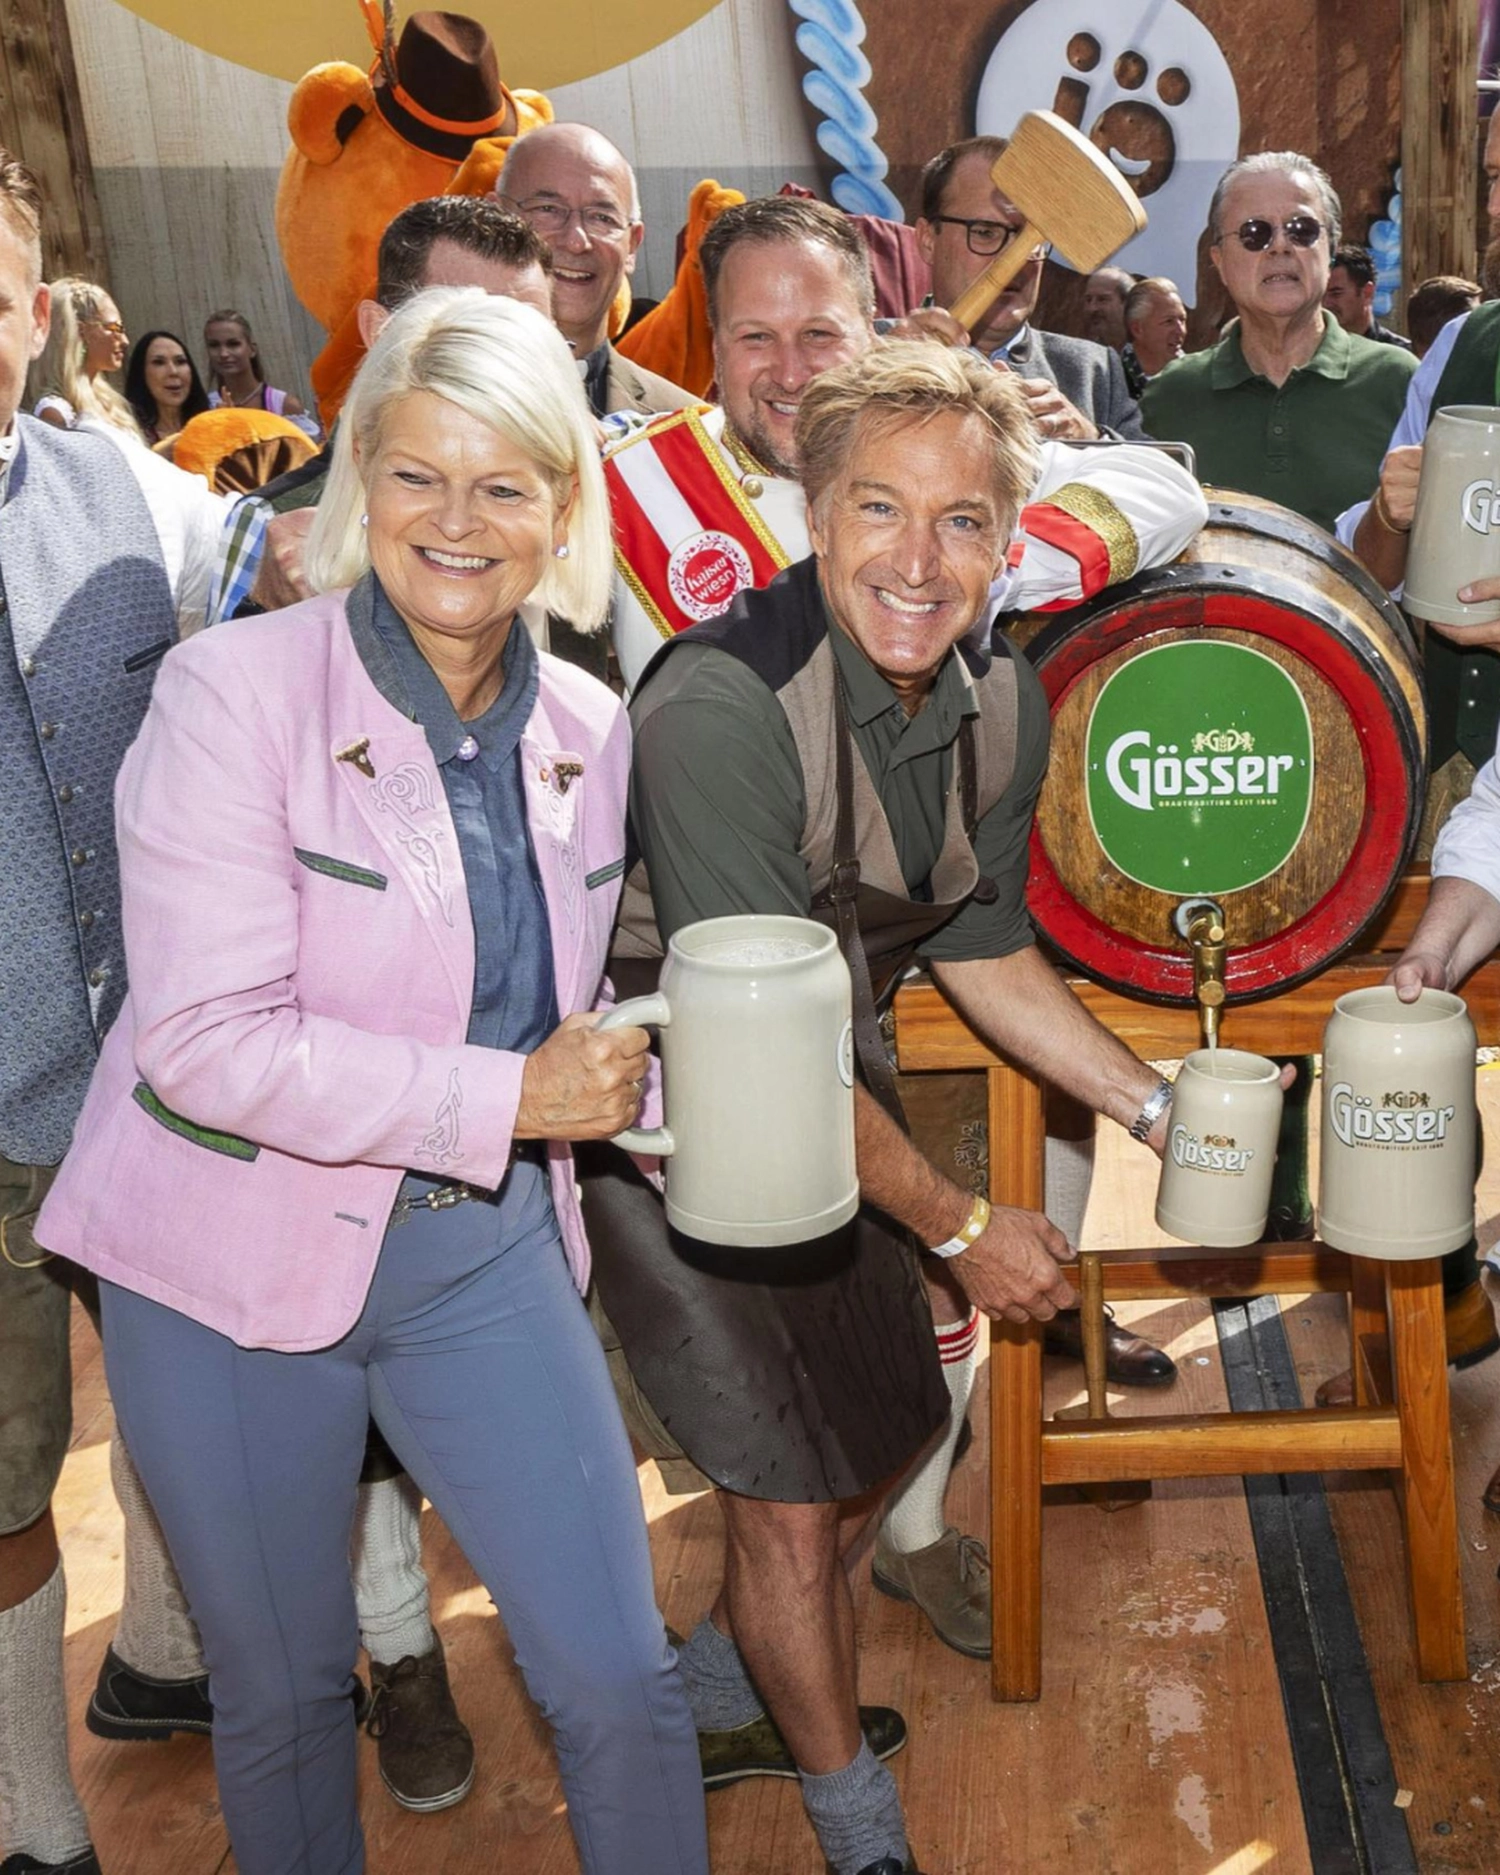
(1399, 1421)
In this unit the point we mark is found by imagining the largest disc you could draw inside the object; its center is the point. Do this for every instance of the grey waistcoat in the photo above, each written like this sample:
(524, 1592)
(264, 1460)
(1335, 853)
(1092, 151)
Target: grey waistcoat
(87, 612)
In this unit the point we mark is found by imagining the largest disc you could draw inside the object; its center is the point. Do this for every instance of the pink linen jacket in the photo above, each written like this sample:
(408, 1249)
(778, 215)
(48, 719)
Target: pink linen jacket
(301, 971)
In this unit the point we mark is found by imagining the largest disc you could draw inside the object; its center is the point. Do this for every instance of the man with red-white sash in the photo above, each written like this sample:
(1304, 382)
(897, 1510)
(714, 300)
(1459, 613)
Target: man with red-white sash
(707, 503)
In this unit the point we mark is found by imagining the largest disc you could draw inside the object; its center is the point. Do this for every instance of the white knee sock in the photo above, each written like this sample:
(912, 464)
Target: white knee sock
(1068, 1172)
(385, 1555)
(155, 1632)
(39, 1808)
(914, 1515)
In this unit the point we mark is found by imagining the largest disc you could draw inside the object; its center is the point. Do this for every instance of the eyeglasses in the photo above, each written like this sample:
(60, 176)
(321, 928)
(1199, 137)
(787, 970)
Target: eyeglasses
(983, 237)
(1256, 235)
(552, 219)
(111, 326)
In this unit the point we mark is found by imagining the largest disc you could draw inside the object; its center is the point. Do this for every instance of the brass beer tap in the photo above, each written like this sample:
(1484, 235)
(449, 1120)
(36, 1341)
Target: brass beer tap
(1200, 921)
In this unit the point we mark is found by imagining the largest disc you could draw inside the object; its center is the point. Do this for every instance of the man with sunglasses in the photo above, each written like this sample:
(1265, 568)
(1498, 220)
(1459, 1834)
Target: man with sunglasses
(578, 192)
(1075, 388)
(1288, 404)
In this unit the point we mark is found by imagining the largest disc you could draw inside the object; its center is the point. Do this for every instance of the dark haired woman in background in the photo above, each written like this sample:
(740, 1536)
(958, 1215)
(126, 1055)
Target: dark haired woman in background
(162, 386)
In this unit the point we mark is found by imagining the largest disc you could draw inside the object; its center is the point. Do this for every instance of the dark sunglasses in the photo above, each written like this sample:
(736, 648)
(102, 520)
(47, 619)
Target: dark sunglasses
(1256, 235)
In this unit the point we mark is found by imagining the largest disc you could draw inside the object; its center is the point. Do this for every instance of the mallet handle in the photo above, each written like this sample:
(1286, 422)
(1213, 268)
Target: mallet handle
(982, 292)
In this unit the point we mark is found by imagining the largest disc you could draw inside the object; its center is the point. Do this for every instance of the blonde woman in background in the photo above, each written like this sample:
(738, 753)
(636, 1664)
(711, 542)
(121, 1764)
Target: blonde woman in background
(87, 340)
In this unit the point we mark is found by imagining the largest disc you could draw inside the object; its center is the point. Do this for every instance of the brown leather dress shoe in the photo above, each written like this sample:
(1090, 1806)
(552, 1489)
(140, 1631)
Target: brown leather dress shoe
(1129, 1361)
(1468, 1329)
(426, 1753)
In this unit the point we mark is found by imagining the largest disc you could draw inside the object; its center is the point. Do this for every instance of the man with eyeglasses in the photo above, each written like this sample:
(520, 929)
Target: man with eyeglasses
(579, 194)
(1076, 389)
(1288, 404)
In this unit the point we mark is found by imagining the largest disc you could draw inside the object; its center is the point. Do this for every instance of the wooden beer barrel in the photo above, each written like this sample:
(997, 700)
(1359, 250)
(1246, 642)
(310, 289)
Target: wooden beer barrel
(1245, 725)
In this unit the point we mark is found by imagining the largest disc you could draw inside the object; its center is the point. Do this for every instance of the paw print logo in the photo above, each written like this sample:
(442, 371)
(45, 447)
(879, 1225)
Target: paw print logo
(1147, 83)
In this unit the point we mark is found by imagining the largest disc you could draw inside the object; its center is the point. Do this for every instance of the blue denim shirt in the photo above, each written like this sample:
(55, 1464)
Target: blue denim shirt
(515, 996)
(480, 765)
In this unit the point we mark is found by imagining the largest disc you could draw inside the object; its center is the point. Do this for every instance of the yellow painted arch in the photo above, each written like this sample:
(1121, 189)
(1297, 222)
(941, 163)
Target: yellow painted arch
(538, 46)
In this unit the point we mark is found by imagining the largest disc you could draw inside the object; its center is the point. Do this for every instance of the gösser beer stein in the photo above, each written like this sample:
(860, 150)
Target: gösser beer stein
(1215, 1184)
(758, 1072)
(1397, 1175)
(1455, 536)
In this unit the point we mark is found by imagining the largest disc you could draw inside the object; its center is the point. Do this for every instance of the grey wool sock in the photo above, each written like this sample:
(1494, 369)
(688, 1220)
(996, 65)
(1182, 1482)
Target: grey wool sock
(390, 1587)
(155, 1632)
(856, 1813)
(39, 1808)
(718, 1687)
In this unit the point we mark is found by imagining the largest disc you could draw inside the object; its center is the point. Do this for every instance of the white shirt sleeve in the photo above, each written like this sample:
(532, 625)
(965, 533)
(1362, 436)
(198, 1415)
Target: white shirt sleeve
(1468, 843)
(60, 405)
(1416, 414)
(1114, 491)
(189, 519)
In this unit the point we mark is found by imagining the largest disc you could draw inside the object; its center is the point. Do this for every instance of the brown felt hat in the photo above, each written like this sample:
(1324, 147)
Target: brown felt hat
(446, 91)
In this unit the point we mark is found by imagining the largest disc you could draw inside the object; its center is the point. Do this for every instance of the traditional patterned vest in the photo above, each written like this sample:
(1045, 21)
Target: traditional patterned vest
(87, 613)
(1463, 686)
(782, 635)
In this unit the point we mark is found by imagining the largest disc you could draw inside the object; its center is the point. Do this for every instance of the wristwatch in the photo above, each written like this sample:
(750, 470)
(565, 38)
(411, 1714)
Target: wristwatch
(1157, 1102)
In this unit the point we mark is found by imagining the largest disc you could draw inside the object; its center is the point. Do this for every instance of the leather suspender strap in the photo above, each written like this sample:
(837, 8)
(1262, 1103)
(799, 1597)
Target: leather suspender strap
(844, 890)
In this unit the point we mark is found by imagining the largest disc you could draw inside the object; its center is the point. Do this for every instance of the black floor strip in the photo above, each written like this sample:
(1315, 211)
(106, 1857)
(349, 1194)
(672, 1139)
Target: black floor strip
(1344, 1771)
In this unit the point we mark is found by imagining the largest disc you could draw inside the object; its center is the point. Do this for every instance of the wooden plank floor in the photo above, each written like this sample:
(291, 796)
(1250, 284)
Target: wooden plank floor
(1158, 1744)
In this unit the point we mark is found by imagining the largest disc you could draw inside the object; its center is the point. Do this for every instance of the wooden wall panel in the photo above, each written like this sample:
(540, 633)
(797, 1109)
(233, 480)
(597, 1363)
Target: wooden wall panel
(42, 121)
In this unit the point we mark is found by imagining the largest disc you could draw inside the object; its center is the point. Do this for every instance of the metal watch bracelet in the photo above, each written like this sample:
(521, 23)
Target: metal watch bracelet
(1157, 1102)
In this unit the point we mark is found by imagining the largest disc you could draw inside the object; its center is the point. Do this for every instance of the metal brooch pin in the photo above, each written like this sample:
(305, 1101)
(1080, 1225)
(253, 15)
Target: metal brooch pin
(565, 774)
(358, 754)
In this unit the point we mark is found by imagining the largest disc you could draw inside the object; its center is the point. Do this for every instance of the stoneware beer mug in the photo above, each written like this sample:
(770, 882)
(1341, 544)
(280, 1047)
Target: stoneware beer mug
(758, 1076)
(1455, 536)
(1397, 1173)
(1215, 1186)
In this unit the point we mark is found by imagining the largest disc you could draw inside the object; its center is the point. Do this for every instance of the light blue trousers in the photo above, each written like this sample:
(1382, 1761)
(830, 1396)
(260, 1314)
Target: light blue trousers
(478, 1363)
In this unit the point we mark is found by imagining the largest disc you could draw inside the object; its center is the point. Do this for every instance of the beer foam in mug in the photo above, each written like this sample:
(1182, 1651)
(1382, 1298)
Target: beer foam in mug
(757, 950)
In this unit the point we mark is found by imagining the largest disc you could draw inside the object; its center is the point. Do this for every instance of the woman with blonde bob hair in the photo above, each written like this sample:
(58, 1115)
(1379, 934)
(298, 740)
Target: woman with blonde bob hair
(371, 848)
(86, 339)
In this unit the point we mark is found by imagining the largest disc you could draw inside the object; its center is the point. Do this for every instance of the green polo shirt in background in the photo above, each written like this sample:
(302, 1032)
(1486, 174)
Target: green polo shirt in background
(1314, 444)
(717, 802)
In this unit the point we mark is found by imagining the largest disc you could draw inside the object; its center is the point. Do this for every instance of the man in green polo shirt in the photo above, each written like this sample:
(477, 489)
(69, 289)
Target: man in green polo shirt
(1288, 404)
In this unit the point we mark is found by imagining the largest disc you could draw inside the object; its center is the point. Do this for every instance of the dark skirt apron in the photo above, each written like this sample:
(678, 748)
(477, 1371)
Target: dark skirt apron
(805, 1376)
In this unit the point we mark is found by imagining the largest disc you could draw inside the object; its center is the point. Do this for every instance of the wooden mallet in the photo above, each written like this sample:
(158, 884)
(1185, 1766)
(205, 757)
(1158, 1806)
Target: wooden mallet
(1070, 194)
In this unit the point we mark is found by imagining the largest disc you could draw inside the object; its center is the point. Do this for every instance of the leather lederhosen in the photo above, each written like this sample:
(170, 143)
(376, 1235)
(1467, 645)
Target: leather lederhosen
(821, 1381)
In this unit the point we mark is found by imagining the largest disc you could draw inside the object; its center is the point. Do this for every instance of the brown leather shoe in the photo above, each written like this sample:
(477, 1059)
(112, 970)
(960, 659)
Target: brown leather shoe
(1129, 1361)
(948, 1580)
(426, 1753)
(1468, 1329)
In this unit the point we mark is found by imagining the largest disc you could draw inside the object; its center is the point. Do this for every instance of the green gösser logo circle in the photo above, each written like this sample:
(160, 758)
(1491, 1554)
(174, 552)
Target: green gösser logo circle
(1200, 767)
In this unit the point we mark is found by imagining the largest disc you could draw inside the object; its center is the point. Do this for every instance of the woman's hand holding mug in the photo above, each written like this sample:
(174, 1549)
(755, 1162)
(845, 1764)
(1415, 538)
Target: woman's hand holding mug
(583, 1083)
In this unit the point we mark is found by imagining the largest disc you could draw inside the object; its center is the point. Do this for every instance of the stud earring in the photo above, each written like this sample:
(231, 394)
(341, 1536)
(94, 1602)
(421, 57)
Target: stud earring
(364, 520)
(561, 553)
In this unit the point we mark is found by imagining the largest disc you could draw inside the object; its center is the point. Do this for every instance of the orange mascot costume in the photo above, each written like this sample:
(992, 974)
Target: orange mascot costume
(431, 117)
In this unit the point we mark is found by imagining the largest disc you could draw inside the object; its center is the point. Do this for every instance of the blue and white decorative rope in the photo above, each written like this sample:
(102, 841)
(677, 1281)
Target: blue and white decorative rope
(1384, 241)
(830, 39)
